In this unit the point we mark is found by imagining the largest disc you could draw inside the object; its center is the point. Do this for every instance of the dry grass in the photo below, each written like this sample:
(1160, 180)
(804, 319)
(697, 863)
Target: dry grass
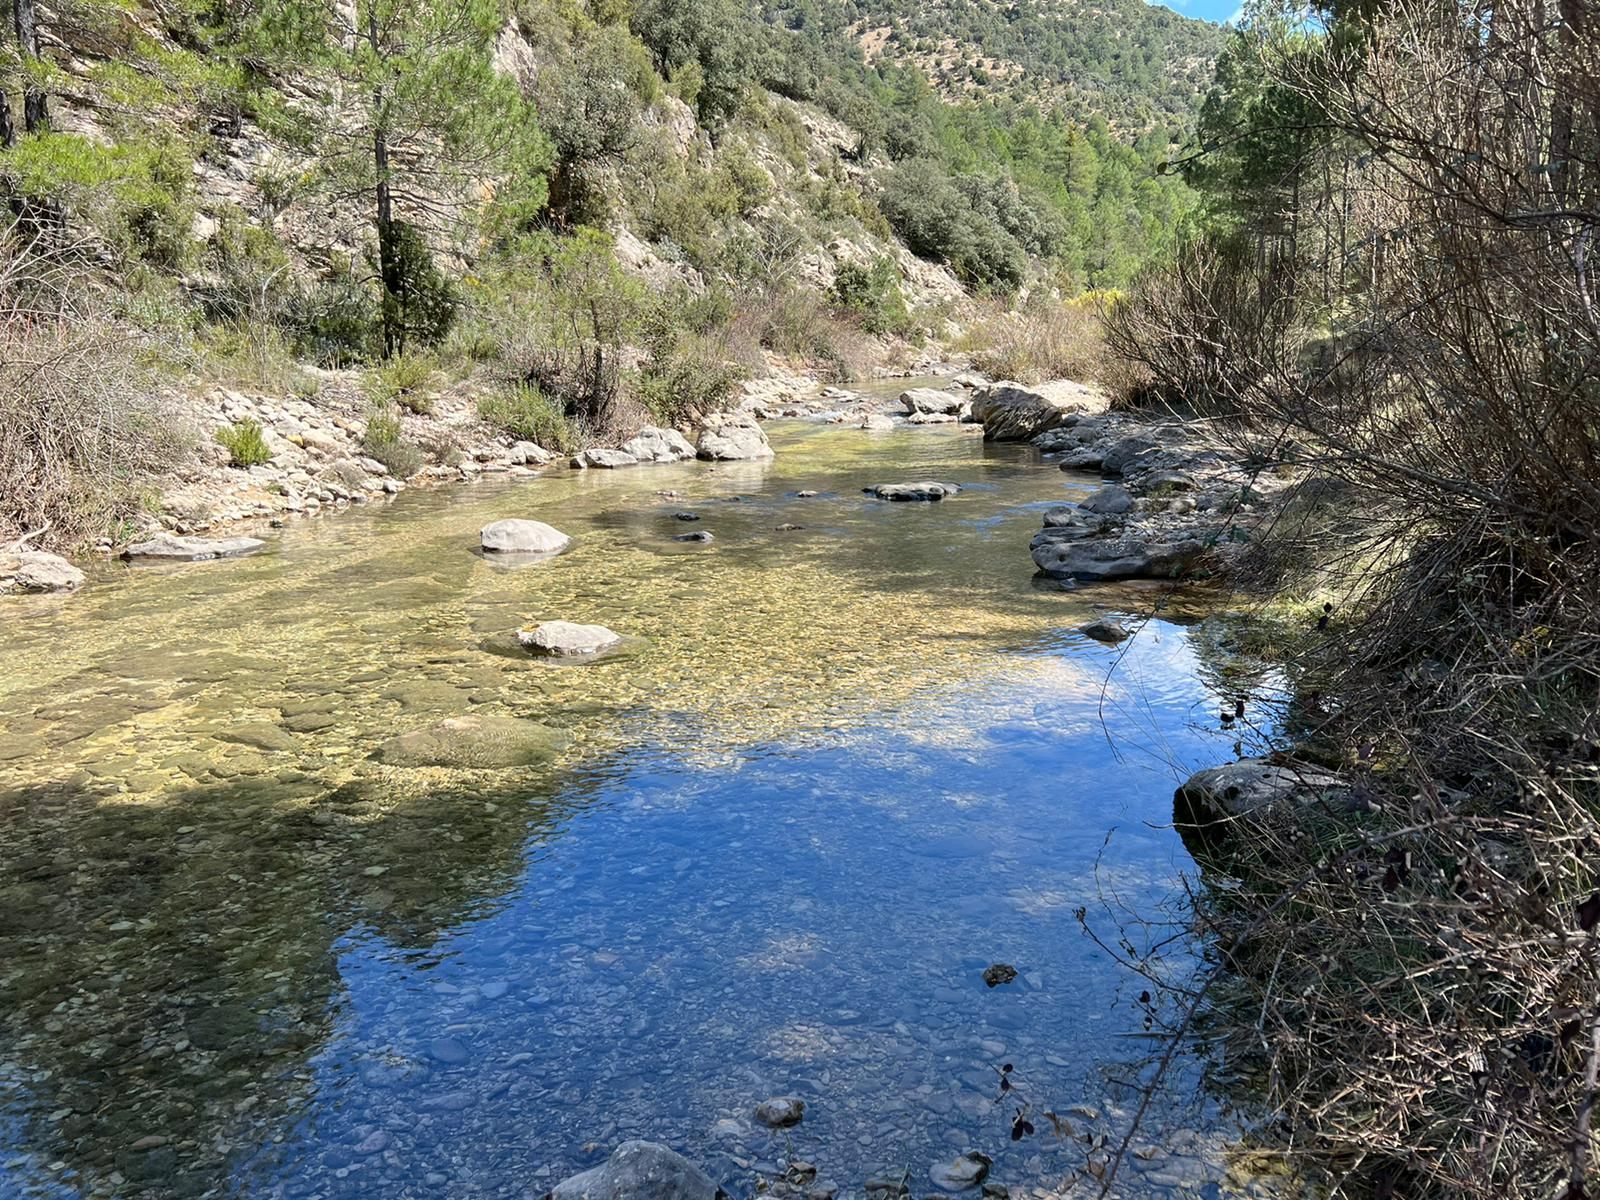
(84, 424)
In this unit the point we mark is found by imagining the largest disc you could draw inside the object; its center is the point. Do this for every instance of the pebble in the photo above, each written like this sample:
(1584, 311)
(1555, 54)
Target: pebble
(780, 1112)
(448, 1050)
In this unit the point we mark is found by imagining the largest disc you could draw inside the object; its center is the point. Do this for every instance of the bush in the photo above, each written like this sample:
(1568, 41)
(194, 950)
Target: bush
(527, 414)
(244, 443)
(406, 380)
(83, 424)
(335, 322)
(423, 307)
(873, 294)
(939, 220)
(384, 441)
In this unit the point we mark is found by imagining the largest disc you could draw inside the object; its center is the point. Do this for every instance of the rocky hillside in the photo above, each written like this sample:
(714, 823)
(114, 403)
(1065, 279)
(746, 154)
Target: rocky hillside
(555, 224)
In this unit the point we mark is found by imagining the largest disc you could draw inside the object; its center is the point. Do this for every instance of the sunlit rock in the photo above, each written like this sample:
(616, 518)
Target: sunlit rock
(517, 536)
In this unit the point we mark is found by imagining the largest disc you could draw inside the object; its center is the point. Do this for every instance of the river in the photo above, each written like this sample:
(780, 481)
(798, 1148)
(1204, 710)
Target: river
(836, 772)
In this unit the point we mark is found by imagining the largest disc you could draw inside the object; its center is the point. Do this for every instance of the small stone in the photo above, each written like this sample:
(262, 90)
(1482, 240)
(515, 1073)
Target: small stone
(781, 1112)
(699, 535)
(150, 1142)
(567, 639)
(374, 1143)
(1105, 629)
(998, 973)
(788, 527)
(805, 495)
(494, 989)
(685, 516)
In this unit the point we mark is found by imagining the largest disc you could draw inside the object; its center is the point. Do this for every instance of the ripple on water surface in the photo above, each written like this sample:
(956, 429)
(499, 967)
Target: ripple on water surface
(838, 770)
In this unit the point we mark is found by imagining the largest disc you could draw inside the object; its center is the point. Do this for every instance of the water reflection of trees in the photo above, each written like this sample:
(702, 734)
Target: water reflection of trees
(167, 968)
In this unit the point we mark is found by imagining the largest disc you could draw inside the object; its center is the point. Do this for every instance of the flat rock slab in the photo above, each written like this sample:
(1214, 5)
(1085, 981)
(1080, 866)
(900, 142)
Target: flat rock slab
(37, 571)
(170, 547)
(639, 1171)
(926, 489)
(1073, 553)
(517, 536)
(567, 639)
(474, 742)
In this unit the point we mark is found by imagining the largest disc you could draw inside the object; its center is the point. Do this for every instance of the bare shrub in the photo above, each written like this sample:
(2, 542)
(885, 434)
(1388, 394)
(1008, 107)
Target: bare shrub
(1414, 985)
(84, 425)
(1044, 338)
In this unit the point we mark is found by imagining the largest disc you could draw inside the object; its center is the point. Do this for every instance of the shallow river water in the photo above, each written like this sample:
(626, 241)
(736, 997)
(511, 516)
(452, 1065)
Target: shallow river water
(835, 773)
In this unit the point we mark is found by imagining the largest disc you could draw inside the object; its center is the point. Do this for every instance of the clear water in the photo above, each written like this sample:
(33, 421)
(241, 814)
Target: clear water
(836, 772)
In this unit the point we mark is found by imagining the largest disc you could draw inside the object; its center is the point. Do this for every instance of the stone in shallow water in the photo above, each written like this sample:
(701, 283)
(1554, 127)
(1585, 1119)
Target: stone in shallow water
(481, 742)
(38, 571)
(1104, 629)
(699, 535)
(170, 547)
(926, 489)
(968, 1171)
(639, 1171)
(999, 973)
(567, 639)
(780, 1112)
(516, 536)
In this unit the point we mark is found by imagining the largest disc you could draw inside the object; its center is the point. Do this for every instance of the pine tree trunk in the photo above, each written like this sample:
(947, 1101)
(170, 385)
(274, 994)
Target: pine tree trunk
(35, 106)
(391, 311)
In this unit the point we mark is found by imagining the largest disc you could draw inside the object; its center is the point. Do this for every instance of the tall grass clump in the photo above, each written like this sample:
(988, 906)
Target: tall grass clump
(385, 441)
(527, 414)
(244, 443)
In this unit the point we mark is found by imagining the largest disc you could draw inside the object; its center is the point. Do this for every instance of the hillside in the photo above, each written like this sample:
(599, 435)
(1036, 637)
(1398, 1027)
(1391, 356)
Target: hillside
(579, 218)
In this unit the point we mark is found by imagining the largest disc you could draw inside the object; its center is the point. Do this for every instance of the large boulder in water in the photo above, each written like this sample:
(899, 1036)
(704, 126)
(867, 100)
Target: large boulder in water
(1010, 412)
(733, 436)
(567, 639)
(658, 445)
(480, 742)
(172, 548)
(37, 571)
(516, 536)
(639, 1171)
(600, 456)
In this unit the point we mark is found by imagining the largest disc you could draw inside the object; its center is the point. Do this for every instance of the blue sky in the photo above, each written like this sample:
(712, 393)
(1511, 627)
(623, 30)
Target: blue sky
(1206, 10)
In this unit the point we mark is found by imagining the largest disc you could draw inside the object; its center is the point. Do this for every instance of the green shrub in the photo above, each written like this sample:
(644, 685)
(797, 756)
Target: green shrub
(873, 294)
(407, 380)
(244, 443)
(383, 440)
(687, 375)
(335, 323)
(529, 415)
(423, 307)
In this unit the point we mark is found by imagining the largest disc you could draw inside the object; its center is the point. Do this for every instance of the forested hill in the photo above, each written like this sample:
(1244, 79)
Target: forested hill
(1138, 65)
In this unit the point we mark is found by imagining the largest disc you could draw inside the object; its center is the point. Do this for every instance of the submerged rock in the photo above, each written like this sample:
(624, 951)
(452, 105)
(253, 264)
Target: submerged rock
(699, 535)
(876, 422)
(516, 536)
(567, 639)
(781, 1112)
(639, 1171)
(968, 1171)
(38, 571)
(652, 444)
(172, 548)
(481, 742)
(733, 436)
(926, 489)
